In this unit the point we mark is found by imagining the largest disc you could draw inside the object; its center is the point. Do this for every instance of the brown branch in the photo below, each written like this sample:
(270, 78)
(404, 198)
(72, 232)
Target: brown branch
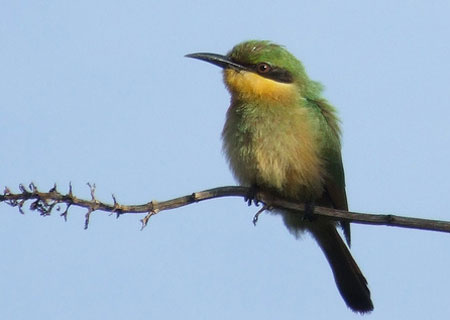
(46, 202)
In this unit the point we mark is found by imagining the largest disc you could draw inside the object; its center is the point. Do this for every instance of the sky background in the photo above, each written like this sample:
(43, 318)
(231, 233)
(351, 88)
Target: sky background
(101, 92)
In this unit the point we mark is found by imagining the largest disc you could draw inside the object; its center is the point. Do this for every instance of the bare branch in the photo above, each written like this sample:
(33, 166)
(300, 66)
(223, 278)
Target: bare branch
(45, 202)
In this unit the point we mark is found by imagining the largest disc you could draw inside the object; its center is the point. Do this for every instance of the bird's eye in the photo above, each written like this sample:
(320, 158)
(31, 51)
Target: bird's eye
(263, 68)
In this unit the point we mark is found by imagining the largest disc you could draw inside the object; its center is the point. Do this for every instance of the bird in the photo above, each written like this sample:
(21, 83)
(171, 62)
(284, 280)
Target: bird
(282, 137)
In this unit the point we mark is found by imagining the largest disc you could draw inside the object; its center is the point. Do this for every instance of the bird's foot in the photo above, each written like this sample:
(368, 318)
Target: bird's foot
(256, 216)
(309, 211)
(251, 196)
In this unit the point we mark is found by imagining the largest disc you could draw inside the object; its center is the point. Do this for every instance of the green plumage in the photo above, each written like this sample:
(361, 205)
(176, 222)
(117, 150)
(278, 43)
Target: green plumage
(283, 137)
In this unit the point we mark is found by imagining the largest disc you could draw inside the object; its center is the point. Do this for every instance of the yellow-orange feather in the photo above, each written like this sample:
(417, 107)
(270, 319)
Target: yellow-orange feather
(271, 143)
(250, 85)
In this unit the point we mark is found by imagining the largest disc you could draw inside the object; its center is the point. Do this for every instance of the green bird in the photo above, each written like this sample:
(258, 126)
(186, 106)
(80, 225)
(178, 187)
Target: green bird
(282, 137)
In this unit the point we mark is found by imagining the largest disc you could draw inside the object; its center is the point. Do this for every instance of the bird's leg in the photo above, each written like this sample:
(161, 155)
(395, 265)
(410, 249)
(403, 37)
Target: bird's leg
(251, 196)
(264, 208)
(309, 211)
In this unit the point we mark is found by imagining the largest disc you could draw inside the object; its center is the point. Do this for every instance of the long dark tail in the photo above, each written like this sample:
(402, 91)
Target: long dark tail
(349, 279)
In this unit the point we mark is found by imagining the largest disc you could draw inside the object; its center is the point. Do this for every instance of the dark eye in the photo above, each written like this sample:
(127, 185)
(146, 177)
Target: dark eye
(263, 68)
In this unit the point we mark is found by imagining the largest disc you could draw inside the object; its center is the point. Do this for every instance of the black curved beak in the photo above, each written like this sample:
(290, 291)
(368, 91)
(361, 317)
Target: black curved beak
(216, 59)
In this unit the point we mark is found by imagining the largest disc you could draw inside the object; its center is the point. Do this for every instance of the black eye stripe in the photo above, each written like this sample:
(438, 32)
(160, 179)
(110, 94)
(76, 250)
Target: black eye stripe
(280, 75)
(274, 73)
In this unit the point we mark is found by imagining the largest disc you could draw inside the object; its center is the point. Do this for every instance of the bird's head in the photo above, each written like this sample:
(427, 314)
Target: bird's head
(259, 70)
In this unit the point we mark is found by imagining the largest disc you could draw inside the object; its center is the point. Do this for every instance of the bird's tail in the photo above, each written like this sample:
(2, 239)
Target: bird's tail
(349, 279)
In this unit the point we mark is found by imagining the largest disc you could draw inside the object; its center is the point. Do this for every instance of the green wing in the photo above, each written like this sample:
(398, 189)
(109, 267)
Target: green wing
(334, 195)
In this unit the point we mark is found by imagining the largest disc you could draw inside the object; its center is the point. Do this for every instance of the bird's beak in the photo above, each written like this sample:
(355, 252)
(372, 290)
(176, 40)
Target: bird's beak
(217, 59)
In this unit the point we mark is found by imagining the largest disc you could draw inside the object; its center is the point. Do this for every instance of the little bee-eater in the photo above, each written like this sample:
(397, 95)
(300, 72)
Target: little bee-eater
(282, 137)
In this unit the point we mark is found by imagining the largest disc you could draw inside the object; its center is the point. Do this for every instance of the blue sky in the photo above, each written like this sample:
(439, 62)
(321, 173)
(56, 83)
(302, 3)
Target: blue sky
(101, 92)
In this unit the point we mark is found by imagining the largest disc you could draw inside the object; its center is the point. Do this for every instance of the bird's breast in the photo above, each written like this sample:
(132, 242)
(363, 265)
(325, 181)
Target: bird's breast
(274, 147)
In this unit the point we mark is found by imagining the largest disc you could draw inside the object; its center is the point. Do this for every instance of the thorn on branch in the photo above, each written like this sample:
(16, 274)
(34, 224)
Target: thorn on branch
(114, 199)
(64, 214)
(116, 207)
(23, 189)
(20, 205)
(33, 187)
(147, 217)
(86, 218)
(153, 210)
(70, 190)
(92, 187)
(53, 189)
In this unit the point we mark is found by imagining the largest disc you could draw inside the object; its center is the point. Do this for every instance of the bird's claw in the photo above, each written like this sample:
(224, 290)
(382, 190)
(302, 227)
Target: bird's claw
(256, 216)
(251, 197)
(309, 211)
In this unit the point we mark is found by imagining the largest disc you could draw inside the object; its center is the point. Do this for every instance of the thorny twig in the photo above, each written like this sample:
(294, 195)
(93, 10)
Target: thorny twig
(45, 202)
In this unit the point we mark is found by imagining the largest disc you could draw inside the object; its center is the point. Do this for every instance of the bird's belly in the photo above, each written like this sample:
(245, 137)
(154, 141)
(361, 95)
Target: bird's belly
(285, 161)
